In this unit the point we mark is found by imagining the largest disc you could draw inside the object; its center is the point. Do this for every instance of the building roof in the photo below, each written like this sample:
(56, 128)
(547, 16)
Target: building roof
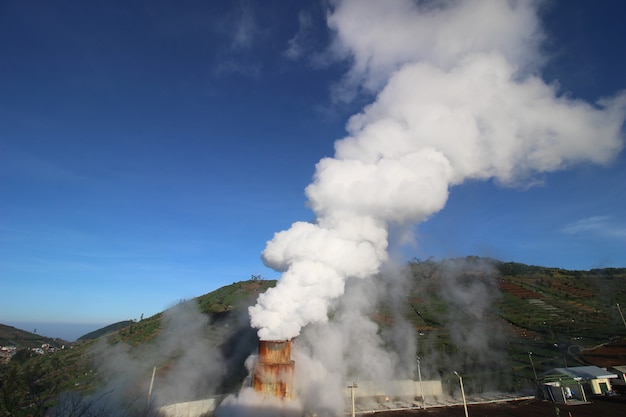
(584, 372)
(620, 368)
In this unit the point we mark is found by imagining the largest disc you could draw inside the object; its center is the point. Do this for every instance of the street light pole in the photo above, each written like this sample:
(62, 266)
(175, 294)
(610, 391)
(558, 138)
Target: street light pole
(530, 356)
(556, 345)
(462, 393)
(151, 385)
(352, 387)
(419, 374)
(620, 313)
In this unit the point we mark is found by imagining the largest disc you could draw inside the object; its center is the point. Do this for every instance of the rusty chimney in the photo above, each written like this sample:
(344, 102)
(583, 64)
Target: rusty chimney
(273, 374)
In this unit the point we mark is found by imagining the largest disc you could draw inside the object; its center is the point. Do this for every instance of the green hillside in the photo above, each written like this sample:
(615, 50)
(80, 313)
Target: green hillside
(218, 305)
(11, 336)
(30, 383)
(556, 314)
(548, 315)
(105, 330)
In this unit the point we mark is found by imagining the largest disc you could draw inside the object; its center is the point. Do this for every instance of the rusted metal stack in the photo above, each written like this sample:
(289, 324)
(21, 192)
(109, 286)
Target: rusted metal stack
(273, 374)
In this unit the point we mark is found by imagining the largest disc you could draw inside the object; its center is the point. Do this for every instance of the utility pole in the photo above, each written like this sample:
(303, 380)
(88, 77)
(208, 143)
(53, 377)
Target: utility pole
(352, 387)
(620, 313)
(419, 374)
(556, 345)
(150, 389)
(462, 393)
(530, 356)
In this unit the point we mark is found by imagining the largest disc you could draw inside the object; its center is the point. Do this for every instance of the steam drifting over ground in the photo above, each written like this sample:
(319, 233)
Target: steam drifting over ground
(189, 366)
(458, 97)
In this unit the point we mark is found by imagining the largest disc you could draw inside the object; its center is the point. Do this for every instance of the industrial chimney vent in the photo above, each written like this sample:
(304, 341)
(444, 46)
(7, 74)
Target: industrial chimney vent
(274, 371)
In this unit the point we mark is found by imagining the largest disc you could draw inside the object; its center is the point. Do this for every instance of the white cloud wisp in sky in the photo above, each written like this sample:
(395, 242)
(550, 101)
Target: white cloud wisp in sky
(597, 226)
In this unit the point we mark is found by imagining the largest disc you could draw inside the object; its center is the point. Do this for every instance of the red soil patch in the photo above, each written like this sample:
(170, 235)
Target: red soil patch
(519, 292)
(605, 356)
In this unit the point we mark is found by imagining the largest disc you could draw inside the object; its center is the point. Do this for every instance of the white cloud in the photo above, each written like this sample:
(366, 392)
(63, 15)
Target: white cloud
(230, 66)
(240, 27)
(381, 36)
(241, 33)
(298, 45)
(245, 29)
(484, 121)
(603, 226)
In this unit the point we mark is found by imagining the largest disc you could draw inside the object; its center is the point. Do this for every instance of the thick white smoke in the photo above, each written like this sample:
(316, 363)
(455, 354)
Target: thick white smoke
(458, 98)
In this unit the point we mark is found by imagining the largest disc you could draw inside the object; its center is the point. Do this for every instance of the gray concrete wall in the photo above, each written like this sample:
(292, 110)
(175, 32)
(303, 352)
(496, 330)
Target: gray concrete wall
(402, 388)
(188, 409)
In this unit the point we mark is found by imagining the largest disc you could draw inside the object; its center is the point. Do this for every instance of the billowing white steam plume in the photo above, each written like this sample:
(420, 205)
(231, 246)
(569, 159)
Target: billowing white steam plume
(457, 98)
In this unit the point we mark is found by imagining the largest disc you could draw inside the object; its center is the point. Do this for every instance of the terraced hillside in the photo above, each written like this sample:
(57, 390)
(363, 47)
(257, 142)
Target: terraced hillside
(549, 316)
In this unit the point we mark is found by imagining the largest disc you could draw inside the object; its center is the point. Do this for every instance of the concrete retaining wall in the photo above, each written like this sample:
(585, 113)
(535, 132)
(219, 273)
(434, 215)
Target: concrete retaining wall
(188, 409)
(395, 389)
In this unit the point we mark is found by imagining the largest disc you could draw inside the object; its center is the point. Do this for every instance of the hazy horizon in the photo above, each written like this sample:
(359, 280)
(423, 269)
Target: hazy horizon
(67, 331)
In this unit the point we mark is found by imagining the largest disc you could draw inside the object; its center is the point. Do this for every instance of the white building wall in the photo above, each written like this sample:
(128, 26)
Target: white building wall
(595, 385)
(188, 409)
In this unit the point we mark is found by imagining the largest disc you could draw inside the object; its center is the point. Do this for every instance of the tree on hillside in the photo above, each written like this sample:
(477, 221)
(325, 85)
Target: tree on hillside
(28, 386)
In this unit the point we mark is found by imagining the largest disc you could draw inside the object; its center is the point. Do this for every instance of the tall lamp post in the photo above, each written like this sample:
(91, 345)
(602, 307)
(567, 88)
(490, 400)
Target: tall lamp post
(530, 356)
(556, 345)
(620, 313)
(419, 374)
(352, 387)
(150, 389)
(462, 393)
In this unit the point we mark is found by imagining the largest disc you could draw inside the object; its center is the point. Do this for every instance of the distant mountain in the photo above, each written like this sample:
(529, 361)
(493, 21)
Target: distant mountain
(11, 336)
(111, 328)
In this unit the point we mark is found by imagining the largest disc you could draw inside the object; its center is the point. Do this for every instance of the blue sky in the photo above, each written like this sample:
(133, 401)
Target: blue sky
(149, 150)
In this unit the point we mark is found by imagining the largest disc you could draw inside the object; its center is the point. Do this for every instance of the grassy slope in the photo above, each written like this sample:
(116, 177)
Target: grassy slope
(10, 336)
(219, 305)
(556, 314)
(105, 330)
(552, 312)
